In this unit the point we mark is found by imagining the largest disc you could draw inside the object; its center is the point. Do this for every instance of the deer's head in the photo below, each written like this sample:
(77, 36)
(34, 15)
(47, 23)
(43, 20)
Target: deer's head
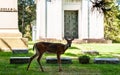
(69, 41)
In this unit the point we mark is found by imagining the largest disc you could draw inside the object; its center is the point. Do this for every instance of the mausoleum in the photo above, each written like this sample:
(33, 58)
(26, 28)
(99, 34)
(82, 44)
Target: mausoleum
(60, 18)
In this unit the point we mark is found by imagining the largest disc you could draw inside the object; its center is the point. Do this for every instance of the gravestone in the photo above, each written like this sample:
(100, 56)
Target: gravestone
(106, 60)
(51, 60)
(19, 60)
(17, 51)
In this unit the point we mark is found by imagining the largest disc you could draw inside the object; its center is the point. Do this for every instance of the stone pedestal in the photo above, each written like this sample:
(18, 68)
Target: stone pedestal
(10, 37)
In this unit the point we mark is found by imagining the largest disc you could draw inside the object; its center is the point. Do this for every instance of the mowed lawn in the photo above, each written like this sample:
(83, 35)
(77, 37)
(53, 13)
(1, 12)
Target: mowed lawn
(105, 50)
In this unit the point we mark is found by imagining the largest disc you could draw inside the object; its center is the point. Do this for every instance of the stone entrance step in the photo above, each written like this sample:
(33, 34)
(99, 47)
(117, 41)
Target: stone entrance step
(51, 60)
(106, 60)
(19, 60)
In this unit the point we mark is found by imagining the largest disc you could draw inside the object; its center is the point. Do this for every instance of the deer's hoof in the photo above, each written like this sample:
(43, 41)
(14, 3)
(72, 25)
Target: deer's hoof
(42, 70)
(60, 70)
(27, 69)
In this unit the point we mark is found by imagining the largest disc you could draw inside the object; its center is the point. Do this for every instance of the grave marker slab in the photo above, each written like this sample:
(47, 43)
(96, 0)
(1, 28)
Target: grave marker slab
(51, 60)
(20, 51)
(19, 60)
(106, 60)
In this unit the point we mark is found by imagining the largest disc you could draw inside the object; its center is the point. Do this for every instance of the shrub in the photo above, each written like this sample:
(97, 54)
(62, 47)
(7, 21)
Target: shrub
(84, 59)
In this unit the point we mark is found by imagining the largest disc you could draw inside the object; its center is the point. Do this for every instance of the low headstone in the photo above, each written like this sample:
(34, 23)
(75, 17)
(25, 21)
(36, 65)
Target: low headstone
(51, 60)
(19, 60)
(106, 60)
(19, 51)
(91, 52)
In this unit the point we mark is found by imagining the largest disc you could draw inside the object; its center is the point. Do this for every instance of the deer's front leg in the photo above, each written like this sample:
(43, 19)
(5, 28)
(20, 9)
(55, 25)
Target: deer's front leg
(59, 62)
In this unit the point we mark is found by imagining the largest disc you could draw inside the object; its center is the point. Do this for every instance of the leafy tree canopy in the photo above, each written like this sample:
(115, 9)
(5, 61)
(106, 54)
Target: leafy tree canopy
(27, 13)
(111, 17)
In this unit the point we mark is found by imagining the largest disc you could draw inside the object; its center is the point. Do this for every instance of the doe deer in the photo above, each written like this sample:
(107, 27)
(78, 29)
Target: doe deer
(57, 48)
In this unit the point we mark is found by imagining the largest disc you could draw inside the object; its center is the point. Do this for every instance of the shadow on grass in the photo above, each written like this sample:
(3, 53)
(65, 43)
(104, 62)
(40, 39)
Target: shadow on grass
(73, 48)
(107, 55)
(70, 54)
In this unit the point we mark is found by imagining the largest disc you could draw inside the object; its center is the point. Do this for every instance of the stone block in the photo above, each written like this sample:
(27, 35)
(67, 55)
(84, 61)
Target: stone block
(19, 60)
(106, 60)
(54, 60)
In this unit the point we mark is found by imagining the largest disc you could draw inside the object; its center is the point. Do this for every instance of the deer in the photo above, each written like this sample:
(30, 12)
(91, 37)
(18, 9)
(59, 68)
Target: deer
(56, 48)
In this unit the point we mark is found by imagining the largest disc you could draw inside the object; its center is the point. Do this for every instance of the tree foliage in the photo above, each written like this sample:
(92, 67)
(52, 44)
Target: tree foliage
(27, 13)
(111, 18)
(112, 24)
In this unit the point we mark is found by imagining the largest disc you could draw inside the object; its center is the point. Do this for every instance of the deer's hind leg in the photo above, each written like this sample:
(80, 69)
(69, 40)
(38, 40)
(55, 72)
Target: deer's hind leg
(38, 60)
(31, 60)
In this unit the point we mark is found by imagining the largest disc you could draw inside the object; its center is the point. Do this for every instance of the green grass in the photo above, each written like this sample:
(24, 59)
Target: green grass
(105, 50)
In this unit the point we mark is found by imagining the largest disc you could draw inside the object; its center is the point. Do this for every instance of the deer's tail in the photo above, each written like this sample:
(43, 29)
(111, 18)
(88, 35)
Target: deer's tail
(34, 46)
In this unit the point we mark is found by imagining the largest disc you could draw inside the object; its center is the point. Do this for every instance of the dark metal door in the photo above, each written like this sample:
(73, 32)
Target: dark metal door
(71, 24)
